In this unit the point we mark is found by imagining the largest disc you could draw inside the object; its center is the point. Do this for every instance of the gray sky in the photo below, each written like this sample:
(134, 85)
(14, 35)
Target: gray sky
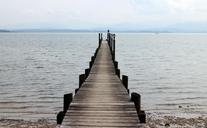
(93, 14)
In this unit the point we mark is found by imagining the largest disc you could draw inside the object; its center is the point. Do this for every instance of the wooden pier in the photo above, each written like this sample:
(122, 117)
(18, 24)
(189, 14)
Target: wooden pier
(102, 99)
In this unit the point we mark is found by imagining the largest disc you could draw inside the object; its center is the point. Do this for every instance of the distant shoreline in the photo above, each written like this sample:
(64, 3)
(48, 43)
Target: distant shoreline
(88, 31)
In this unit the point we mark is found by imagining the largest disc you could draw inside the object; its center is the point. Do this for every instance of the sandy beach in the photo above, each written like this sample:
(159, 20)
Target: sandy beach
(12, 123)
(152, 122)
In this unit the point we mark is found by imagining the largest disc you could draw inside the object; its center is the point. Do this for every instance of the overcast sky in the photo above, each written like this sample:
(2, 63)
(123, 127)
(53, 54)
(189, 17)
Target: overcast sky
(93, 14)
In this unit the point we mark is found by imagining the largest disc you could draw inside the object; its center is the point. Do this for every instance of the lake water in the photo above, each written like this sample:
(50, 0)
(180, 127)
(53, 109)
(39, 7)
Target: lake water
(168, 70)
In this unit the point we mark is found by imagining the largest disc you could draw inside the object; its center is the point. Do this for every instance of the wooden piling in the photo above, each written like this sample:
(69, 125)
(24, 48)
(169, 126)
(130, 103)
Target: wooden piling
(76, 90)
(136, 98)
(67, 100)
(118, 72)
(81, 79)
(90, 64)
(125, 81)
(99, 38)
(87, 72)
(116, 64)
(92, 58)
(60, 117)
(142, 117)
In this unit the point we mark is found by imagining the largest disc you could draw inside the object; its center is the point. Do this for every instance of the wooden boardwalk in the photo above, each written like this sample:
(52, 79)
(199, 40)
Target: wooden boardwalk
(102, 100)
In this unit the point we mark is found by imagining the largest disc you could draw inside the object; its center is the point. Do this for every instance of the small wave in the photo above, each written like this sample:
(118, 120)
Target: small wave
(35, 83)
(164, 88)
(191, 98)
(49, 97)
(7, 84)
(38, 67)
(29, 59)
(170, 104)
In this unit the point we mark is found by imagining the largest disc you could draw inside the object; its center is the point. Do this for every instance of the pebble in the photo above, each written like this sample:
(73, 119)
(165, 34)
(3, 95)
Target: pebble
(167, 125)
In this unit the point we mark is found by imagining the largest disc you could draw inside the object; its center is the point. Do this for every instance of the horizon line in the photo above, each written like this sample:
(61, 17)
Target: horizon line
(97, 30)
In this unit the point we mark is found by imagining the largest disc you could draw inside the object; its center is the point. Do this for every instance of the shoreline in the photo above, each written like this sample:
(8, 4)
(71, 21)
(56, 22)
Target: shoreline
(20, 123)
(153, 121)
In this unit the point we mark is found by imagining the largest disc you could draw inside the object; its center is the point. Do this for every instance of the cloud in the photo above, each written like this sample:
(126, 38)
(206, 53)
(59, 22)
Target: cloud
(96, 13)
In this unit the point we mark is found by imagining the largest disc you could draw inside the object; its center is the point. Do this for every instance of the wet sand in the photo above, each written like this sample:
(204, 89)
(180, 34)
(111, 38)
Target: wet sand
(152, 122)
(12, 123)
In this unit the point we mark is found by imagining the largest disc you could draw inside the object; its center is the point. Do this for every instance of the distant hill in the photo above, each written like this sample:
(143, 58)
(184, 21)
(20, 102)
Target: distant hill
(2, 30)
(55, 30)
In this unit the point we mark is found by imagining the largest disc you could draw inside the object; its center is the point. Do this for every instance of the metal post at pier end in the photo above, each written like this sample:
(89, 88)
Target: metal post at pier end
(67, 100)
(108, 33)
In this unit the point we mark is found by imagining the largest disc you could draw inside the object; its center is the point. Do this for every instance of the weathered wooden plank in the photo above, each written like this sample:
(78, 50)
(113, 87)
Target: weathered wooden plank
(102, 101)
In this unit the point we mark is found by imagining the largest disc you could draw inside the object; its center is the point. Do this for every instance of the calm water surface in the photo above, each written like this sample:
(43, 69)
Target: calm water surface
(36, 69)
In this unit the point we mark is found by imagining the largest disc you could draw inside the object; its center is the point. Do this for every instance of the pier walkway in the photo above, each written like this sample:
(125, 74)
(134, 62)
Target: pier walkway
(102, 99)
